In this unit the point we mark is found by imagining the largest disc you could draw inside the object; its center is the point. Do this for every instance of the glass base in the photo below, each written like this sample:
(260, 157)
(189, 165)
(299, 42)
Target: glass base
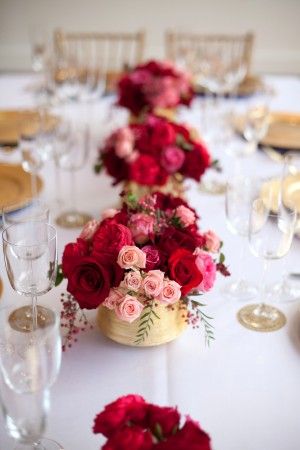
(213, 186)
(286, 291)
(21, 319)
(261, 317)
(240, 290)
(44, 444)
(72, 219)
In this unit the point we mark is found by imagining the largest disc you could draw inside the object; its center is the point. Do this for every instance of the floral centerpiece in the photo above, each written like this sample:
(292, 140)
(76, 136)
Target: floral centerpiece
(154, 85)
(140, 265)
(156, 154)
(132, 423)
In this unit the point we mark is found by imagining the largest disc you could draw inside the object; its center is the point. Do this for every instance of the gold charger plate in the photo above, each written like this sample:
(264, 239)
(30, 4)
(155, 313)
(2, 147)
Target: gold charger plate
(283, 132)
(10, 124)
(1, 287)
(15, 186)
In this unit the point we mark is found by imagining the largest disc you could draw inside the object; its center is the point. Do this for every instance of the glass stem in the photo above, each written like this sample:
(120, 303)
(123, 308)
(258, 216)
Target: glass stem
(33, 184)
(244, 242)
(34, 311)
(73, 191)
(57, 182)
(263, 291)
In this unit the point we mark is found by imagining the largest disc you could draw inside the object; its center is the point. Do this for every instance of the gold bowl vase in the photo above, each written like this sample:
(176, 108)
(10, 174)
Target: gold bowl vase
(174, 186)
(171, 323)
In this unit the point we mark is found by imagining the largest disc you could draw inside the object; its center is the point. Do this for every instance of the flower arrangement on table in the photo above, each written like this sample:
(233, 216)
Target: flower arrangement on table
(154, 85)
(132, 423)
(140, 264)
(154, 154)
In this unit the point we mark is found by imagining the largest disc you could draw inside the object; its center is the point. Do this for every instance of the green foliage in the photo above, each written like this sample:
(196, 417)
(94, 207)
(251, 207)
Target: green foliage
(59, 275)
(98, 167)
(181, 142)
(146, 322)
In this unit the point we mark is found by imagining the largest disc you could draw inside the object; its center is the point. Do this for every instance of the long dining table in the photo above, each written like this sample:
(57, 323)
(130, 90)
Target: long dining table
(244, 388)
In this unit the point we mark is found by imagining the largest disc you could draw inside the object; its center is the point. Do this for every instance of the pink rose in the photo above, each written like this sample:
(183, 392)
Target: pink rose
(212, 241)
(125, 134)
(172, 158)
(109, 213)
(141, 227)
(132, 280)
(171, 292)
(113, 299)
(186, 215)
(132, 157)
(89, 229)
(130, 257)
(129, 309)
(153, 283)
(207, 267)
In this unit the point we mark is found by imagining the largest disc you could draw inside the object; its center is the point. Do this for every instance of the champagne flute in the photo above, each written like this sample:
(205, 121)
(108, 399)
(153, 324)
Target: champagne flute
(289, 289)
(270, 238)
(240, 193)
(72, 161)
(29, 365)
(30, 256)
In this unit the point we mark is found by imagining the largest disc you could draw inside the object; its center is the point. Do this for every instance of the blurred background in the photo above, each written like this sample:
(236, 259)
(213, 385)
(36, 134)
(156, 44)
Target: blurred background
(275, 24)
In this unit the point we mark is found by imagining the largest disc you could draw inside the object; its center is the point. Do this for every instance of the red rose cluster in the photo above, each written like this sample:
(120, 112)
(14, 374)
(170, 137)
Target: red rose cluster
(151, 250)
(132, 423)
(149, 153)
(154, 84)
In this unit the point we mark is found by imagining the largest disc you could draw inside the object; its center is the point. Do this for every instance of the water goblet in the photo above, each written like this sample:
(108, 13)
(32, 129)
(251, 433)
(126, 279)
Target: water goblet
(32, 210)
(72, 161)
(29, 365)
(240, 193)
(270, 238)
(30, 256)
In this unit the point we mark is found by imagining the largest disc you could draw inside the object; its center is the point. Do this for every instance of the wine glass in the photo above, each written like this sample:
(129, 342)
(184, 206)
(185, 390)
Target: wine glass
(270, 238)
(240, 193)
(289, 288)
(29, 364)
(30, 255)
(72, 161)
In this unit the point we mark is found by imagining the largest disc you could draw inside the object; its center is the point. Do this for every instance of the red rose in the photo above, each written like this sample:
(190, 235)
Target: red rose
(183, 269)
(71, 253)
(196, 162)
(115, 166)
(131, 408)
(110, 238)
(89, 282)
(152, 257)
(146, 171)
(162, 133)
(130, 438)
(131, 95)
(166, 418)
(190, 437)
(173, 238)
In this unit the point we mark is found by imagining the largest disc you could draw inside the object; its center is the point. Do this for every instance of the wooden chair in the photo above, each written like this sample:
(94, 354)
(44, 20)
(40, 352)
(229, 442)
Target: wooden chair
(112, 53)
(185, 49)
(180, 46)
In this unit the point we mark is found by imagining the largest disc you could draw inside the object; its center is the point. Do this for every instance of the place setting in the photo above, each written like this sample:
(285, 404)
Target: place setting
(150, 237)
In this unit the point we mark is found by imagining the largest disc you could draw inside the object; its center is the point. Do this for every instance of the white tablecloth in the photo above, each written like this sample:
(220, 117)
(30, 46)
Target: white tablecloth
(244, 389)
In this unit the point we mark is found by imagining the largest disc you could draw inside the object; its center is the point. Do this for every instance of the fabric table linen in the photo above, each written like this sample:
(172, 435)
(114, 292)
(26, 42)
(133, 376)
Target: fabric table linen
(244, 389)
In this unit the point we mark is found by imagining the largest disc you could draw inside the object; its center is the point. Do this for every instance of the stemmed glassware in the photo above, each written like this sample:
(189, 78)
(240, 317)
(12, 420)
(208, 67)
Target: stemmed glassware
(240, 194)
(256, 122)
(289, 288)
(270, 238)
(72, 161)
(32, 210)
(30, 255)
(29, 364)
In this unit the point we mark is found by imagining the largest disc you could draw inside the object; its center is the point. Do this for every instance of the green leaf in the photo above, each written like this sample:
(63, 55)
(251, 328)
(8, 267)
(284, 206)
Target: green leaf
(59, 275)
(146, 321)
(98, 167)
(221, 258)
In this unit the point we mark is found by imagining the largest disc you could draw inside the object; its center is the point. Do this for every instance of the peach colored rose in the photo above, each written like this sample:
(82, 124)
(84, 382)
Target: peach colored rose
(132, 280)
(124, 149)
(212, 241)
(153, 283)
(130, 257)
(186, 215)
(141, 227)
(207, 267)
(170, 293)
(129, 309)
(132, 157)
(89, 229)
(109, 213)
(113, 299)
